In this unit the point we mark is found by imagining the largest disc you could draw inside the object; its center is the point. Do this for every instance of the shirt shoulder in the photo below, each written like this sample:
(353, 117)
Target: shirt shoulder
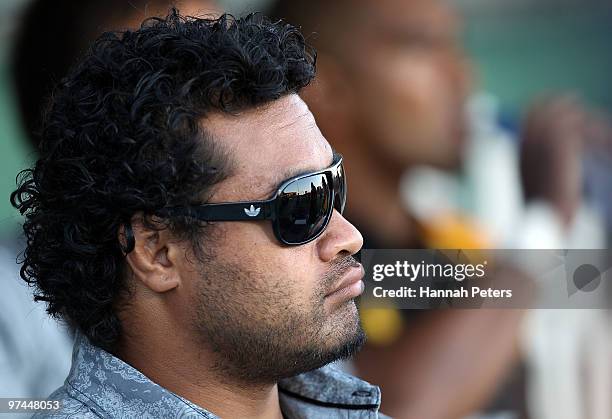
(70, 407)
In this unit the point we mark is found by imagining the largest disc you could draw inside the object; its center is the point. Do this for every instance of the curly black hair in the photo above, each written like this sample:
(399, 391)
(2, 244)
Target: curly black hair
(123, 135)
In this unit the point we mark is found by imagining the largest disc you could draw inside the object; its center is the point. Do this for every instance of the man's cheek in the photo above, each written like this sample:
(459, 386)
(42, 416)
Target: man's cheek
(302, 283)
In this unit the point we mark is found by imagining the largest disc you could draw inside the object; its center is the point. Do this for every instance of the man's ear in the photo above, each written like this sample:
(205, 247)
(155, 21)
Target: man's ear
(153, 258)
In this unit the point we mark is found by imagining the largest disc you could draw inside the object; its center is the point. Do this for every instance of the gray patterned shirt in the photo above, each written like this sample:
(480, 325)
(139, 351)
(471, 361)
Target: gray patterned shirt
(102, 386)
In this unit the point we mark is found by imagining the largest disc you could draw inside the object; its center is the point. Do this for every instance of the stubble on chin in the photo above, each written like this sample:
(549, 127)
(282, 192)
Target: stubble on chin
(259, 335)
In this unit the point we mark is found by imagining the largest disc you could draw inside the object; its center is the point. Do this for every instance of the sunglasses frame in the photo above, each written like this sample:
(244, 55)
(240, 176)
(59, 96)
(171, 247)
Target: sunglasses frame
(267, 209)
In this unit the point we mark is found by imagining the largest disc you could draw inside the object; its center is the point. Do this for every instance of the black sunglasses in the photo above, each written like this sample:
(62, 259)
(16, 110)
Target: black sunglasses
(300, 209)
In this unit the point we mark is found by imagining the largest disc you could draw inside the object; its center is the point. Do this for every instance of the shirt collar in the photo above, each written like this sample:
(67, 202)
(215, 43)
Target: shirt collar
(333, 387)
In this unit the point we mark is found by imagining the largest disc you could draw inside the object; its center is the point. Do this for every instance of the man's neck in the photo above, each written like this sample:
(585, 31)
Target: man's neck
(191, 373)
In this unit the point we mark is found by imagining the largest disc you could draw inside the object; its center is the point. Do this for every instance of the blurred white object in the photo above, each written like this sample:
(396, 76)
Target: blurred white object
(568, 356)
(568, 352)
(491, 181)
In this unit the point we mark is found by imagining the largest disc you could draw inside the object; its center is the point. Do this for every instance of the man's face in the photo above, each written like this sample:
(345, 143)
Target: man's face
(261, 306)
(411, 80)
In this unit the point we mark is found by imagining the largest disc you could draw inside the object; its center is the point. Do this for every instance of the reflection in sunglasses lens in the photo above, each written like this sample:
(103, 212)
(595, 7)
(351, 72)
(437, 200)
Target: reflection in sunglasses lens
(303, 208)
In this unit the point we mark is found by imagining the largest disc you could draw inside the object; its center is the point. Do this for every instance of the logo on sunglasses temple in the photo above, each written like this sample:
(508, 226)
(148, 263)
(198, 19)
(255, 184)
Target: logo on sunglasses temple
(252, 212)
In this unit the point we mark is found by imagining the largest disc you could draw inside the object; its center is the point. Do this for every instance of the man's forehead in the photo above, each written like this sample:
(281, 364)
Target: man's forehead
(270, 143)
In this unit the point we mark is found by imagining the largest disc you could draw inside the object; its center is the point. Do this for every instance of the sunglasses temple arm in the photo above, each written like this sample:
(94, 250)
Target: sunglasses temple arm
(235, 211)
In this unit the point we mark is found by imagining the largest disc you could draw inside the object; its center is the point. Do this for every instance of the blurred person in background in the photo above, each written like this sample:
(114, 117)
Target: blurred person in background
(54, 34)
(35, 351)
(393, 95)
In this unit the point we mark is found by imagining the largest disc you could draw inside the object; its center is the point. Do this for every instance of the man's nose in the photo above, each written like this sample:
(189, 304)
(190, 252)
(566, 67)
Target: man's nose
(339, 237)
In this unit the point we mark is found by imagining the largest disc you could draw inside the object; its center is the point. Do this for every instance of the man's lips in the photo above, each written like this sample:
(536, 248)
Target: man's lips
(351, 285)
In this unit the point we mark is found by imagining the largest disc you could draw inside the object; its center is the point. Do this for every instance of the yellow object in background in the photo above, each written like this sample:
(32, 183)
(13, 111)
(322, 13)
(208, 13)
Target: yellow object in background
(450, 231)
(382, 325)
(453, 231)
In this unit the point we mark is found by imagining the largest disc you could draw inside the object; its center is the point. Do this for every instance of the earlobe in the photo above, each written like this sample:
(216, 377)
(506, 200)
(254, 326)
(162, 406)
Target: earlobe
(149, 260)
(163, 283)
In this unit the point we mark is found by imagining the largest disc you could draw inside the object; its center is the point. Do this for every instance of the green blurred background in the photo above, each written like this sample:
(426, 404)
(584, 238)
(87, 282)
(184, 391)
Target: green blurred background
(522, 49)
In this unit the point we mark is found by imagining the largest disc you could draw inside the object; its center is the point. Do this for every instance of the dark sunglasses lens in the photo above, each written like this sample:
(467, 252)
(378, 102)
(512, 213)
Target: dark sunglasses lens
(303, 208)
(340, 189)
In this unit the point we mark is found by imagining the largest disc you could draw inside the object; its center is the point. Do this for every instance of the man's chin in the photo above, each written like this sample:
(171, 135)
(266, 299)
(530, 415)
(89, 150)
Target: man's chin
(270, 360)
(339, 351)
(350, 347)
(347, 331)
(341, 338)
